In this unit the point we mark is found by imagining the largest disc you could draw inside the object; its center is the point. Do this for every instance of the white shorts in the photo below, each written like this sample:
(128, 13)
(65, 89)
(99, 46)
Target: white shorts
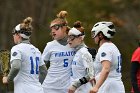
(112, 85)
(51, 90)
(24, 87)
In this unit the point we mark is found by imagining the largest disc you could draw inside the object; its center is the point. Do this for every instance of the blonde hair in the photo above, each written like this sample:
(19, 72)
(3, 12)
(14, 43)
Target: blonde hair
(61, 18)
(26, 25)
(78, 26)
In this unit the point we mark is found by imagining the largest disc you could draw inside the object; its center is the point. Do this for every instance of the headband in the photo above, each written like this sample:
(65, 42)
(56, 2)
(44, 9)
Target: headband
(76, 32)
(18, 30)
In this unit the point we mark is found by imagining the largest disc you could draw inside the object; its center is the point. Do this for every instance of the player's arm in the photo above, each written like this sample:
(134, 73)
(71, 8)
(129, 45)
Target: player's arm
(15, 67)
(83, 80)
(46, 54)
(89, 70)
(103, 75)
(42, 73)
(134, 69)
(88, 64)
(80, 82)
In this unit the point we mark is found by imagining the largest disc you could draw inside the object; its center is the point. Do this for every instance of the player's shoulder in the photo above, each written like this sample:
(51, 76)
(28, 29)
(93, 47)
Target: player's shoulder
(137, 51)
(37, 49)
(83, 51)
(20, 45)
(51, 43)
(16, 47)
(107, 47)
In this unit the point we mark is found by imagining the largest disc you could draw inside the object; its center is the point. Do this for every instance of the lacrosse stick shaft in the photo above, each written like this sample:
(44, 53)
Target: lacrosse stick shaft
(6, 88)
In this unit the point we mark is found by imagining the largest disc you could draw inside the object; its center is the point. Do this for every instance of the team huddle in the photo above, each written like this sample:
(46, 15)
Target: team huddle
(73, 68)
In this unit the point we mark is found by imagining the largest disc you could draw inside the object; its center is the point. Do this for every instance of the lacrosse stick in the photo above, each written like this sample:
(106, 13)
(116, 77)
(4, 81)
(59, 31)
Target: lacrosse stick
(5, 64)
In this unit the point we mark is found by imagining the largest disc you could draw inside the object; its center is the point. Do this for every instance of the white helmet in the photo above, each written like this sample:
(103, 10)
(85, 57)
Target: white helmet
(107, 28)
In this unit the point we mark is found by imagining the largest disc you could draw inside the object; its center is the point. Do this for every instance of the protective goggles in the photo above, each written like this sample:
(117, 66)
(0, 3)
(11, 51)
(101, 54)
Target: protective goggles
(72, 37)
(57, 26)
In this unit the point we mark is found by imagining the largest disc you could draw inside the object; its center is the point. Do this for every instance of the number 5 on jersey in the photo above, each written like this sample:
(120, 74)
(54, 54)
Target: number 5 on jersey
(65, 62)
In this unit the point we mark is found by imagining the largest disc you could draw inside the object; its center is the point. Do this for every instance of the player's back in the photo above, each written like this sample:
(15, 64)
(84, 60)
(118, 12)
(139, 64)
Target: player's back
(30, 59)
(108, 51)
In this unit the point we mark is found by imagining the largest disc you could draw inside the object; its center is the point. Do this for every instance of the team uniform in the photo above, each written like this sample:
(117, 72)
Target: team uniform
(136, 58)
(113, 83)
(81, 62)
(59, 72)
(27, 79)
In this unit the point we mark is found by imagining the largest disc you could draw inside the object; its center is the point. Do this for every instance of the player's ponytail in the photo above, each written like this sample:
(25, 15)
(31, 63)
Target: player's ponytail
(24, 29)
(78, 26)
(26, 25)
(62, 14)
(61, 19)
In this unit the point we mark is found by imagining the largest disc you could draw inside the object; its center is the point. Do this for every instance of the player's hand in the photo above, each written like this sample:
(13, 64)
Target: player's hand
(71, 89)
(94, 90)
(92, 81)
(5, 80)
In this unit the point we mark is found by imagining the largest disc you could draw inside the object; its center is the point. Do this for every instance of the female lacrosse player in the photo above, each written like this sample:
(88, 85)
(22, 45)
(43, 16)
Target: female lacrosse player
(26, 64)
(60, 56)
(107, 63)
(135, 71)
(82, 64)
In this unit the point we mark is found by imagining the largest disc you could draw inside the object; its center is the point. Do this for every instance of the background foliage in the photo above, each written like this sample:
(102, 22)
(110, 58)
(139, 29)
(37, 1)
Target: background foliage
(124, 13)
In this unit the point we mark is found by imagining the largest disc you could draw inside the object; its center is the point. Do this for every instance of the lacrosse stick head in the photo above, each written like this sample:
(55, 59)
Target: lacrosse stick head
(5, 61)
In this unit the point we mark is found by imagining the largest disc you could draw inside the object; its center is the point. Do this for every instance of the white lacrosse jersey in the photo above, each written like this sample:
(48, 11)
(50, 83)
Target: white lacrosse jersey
(59, 72)
(27, 80)
(82, 61)
(108, 51)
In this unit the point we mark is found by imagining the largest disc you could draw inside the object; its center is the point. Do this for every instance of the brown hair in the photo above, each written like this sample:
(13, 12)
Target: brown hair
(26, 25)
(61, 18)
(78, 26)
